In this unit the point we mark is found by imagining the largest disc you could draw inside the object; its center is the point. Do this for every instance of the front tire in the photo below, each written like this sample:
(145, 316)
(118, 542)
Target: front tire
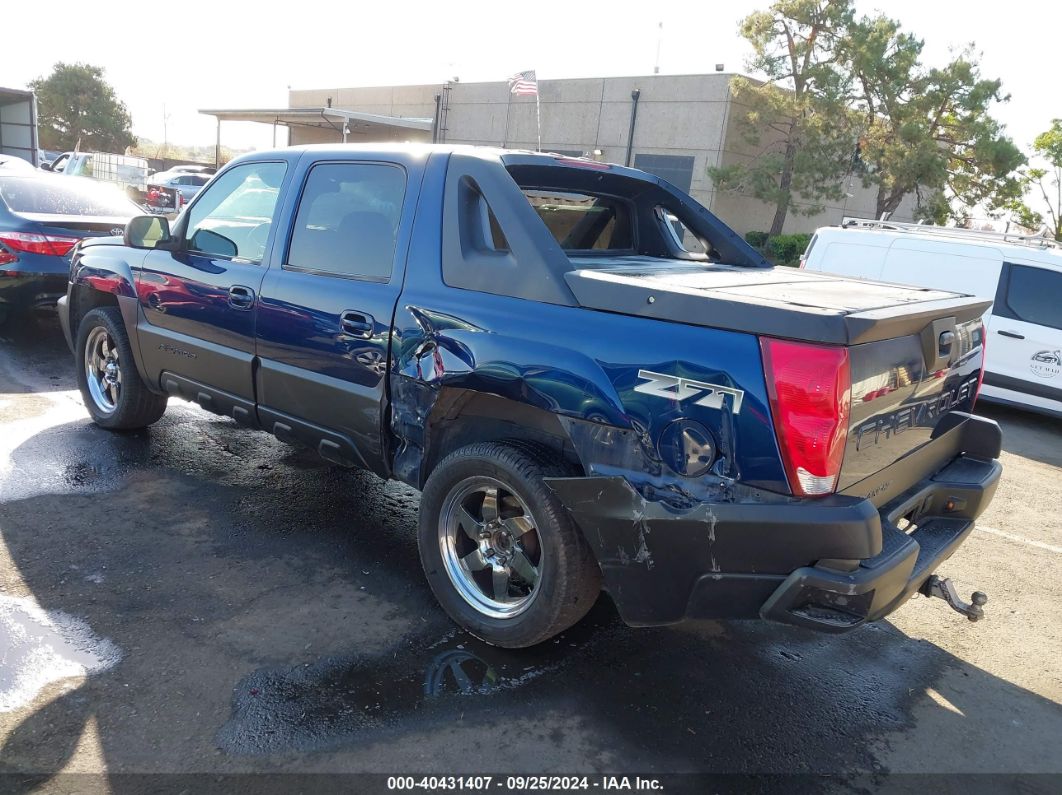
(502, 555)
(110, 385)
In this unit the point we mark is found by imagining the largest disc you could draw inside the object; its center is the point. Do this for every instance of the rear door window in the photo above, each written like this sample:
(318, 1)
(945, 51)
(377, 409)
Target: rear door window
(347, 222)
(1034, 295)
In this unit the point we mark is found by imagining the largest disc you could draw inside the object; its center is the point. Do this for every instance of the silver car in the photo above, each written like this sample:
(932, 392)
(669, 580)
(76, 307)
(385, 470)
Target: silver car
(188, 185)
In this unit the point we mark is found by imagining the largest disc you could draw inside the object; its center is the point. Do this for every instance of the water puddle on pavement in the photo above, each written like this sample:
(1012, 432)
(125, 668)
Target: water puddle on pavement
(337, 700)
(38, 647)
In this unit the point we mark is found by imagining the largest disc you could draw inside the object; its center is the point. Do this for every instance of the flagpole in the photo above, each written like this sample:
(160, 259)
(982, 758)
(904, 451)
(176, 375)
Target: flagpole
(538, 116)
(508, 107)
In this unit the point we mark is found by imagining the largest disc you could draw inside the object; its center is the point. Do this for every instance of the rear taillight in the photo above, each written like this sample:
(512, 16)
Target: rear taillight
(810, 387)
(33, 243)
(984, 359)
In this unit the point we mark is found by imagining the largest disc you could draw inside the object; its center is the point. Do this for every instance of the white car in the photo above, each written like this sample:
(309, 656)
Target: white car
(1023, 275)
(188, 185)
(15, 163)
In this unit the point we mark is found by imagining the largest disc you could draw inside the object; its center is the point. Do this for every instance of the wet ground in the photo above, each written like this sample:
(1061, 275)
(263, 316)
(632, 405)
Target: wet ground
(258, 611)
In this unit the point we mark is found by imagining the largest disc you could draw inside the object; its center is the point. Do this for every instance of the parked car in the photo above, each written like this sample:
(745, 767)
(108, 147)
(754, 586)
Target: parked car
(187, 185)
(42, 216)
(15, 163)
(585, 397)
(192, 168)
(45, 158)
(1022, 275)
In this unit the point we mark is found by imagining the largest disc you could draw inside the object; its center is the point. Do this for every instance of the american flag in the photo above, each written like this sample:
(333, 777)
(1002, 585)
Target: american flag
(524, 84)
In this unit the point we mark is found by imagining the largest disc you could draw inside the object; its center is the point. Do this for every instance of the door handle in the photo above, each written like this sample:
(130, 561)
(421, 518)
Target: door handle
(241, 297)
(1012, 334)
(356, 324)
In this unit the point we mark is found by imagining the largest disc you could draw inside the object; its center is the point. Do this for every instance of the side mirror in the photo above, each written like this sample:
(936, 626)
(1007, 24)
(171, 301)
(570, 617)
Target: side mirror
(146, 231)
(45, 166)
(207, 241)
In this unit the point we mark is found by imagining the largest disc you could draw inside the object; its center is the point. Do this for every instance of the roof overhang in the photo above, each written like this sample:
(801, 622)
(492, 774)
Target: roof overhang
(334, 118)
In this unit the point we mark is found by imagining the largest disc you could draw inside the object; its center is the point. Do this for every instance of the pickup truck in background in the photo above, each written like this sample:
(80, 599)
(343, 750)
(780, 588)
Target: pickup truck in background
(592, 380)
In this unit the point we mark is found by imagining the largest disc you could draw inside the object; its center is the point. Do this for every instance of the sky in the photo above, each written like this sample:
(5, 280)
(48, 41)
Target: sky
(170, 60)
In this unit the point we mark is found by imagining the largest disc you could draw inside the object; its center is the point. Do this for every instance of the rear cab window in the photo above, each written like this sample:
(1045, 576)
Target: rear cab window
(583, 221)
(592, 210)
(519, 230)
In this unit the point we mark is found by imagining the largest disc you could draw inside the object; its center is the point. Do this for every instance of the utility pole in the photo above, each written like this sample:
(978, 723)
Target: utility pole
(165, 131)
(659, 37)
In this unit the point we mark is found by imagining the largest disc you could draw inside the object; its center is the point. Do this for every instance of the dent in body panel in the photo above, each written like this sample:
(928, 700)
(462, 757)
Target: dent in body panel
(651, 553)
(610, 434)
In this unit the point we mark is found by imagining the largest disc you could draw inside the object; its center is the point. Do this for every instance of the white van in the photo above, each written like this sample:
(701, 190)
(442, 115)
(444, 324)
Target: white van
(1023, 275)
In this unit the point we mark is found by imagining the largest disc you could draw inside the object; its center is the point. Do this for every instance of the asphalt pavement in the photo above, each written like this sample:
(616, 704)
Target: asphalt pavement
(199, 598)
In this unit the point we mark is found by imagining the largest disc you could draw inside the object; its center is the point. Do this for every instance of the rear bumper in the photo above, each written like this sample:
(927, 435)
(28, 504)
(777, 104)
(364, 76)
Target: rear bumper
(941, 510)
(32, 291)
(830, 564)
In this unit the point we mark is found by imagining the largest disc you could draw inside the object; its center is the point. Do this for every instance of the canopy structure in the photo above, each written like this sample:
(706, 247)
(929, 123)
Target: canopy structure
(329, 125)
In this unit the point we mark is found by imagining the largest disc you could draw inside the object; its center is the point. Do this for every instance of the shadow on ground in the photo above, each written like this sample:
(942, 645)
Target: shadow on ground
(1028, 434)
(273, 618)
(39, 341)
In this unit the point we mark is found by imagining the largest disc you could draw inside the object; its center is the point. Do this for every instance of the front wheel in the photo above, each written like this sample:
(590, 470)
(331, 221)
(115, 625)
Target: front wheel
(110, 385)
(500, 552)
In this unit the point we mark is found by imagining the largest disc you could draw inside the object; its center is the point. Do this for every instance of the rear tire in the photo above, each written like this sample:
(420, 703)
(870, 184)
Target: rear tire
(111, 386)
(501, 554)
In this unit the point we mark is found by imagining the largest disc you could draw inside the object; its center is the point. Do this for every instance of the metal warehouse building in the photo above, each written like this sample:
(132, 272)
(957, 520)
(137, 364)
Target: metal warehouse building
(675, 126)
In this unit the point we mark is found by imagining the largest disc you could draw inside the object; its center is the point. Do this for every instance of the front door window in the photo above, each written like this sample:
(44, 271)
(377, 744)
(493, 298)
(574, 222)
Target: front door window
(233, 217)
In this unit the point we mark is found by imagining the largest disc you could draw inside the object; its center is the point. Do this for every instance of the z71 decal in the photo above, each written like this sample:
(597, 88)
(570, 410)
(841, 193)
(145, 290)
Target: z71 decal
(674, 388)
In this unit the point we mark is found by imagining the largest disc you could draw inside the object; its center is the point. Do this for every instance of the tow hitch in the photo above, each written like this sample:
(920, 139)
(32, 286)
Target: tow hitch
(943, 588)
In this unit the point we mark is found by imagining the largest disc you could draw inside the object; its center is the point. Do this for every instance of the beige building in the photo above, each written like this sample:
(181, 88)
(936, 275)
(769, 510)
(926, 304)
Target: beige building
(682, 125)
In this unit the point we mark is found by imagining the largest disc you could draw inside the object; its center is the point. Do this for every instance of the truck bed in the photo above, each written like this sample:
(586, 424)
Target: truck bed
(779, 302)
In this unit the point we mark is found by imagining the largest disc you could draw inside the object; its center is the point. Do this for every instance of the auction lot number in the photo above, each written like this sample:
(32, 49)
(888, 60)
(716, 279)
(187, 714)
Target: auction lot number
(521, 783)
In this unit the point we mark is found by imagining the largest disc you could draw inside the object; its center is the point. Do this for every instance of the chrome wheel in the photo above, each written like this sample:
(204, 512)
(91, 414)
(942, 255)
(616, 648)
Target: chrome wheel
(103, 371)
(490, 547)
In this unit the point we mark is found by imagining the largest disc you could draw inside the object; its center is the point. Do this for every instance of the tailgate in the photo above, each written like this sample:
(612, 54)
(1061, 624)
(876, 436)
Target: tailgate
(902, 390)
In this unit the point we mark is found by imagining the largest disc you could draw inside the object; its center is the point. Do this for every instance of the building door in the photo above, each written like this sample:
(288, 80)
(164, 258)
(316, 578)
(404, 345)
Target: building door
(676, 169)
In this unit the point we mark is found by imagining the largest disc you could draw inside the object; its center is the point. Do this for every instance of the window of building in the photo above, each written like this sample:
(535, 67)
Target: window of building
(676, 169)
(1033, 295)
(347, 222)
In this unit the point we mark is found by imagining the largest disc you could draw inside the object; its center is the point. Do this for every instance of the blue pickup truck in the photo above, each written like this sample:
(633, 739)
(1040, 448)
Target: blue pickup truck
(594, 383)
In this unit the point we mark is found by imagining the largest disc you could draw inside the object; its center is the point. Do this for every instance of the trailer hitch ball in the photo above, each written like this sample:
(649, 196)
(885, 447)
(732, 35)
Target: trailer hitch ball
(943, 588)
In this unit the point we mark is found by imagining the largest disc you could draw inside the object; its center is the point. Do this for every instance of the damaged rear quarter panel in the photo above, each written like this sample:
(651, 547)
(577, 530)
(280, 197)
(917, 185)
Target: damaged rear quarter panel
(583, 366)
